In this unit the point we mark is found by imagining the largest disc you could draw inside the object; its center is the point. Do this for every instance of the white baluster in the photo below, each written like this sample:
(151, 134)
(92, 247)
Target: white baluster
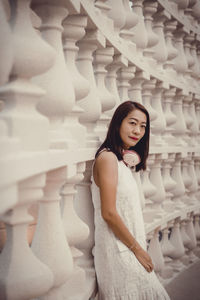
(17, 259)
(91, 103)
(159, 124)
(147, 88)
(180, 62)
(169, 28)
(160, 49)
(156, 179)
(197, 227)
(118, 62)
(84, 208)
(170, 117)
(193, 188)
(74, 30)
(155, 252)
(103, 57)
(135, 89)
(196, 10)
(191, 233)
(149, 190)
(118, 14)
(179, 189)
(194, 127)
(57, 102)
(167, 251)
(179, 127)
(137, 177)
(76, 231)
(168, 182)
(49, 243)
(179, 250)
(187, 116)
(197, 170)
(131, 20)
(186, 178)
(124, 77)
(150, 8)
(186, 242)
(140, 37)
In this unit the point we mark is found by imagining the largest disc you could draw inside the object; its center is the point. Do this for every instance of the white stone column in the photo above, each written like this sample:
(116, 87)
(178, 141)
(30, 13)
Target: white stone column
(186, 179)
(186, 242)
(76, 231)
(91, 104)
(155, 252)
(169, 28)
(103, 57)
(150, 7)
(193, 188)
(170, 117)
(179, 127)
(177, 243)
(135, 89)
(159, 124)
(17, 259)
(84, 208)
(49, 242)
(125, 76)
(118, 62)
(74, 30)
(194, 127)
(131, 20)
(179, 190)
(167, 250)
(140, 37)
(191, 233)
(118, 14)
(187, 117)
(157, 180)
(168, 182)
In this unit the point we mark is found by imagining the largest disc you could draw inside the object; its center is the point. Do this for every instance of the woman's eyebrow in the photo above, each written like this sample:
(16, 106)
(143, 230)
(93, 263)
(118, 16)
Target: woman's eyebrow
(131, 118)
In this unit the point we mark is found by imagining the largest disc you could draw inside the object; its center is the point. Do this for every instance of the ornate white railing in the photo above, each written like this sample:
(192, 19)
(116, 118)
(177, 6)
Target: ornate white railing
(64, 67)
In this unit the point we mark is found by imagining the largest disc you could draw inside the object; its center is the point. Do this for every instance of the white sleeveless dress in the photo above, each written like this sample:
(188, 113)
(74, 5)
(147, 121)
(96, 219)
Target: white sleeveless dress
(120, 276)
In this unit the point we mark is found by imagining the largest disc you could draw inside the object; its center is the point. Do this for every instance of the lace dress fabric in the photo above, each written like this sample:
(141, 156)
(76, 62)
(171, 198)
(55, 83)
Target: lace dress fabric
(119, 274)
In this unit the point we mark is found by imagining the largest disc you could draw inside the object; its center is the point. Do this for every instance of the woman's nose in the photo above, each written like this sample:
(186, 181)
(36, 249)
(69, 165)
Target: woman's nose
(137, 129)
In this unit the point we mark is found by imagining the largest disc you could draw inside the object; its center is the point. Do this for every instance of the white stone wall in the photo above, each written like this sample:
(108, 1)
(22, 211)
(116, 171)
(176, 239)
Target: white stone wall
(65, 66)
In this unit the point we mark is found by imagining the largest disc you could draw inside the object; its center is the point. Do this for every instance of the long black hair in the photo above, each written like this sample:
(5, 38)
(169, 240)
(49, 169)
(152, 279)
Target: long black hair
(113, 140)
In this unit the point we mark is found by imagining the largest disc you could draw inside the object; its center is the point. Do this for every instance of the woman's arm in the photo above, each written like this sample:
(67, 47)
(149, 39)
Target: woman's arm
(106, 178)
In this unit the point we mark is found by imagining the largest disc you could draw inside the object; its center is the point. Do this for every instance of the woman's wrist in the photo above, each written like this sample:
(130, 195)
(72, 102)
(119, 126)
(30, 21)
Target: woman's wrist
(134, 247)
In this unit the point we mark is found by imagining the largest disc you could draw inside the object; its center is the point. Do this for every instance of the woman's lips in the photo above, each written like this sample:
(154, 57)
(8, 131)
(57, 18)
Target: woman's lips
(134, 138)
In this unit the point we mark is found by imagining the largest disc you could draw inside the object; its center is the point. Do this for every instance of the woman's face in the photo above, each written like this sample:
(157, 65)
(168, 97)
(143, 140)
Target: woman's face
(133, 128)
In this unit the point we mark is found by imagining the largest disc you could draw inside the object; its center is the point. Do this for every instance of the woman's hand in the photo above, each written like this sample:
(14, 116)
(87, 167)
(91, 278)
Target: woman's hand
(144, 258)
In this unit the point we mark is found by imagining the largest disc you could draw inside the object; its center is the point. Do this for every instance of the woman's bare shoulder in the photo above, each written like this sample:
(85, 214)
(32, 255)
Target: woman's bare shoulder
(106, 157)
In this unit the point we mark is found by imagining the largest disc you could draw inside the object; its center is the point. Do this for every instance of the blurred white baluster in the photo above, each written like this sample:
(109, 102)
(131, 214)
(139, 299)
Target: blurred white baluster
(140, 37)
(186, 179)
(197, 170)
(59, 98)
(157, 181)
(135, 89)
(131, 20)
(118, 62)
(186, 242)
(17, 259)
(170, 117)
(191, 233)
(155, 252)
(187, 116)
(160, 49)
(179, 127)
(147, 90)
(197, 226)
(168, 182)
(91, 103)
(84, 208)
(124, 78)
(103, 57)
(194, 127)
(179, 250)
(159, 124)
(74, 30)
(76, 231)
(150, 7)
(118, 14)
(180, 62)
(196, 10)
(149, 190)
(167, 251)
(179, 190)
(49, 242)
(137, 177)
(169, 28)
(193, 188)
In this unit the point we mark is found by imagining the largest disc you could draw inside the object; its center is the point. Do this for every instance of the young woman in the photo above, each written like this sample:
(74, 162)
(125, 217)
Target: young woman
(123, 267)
